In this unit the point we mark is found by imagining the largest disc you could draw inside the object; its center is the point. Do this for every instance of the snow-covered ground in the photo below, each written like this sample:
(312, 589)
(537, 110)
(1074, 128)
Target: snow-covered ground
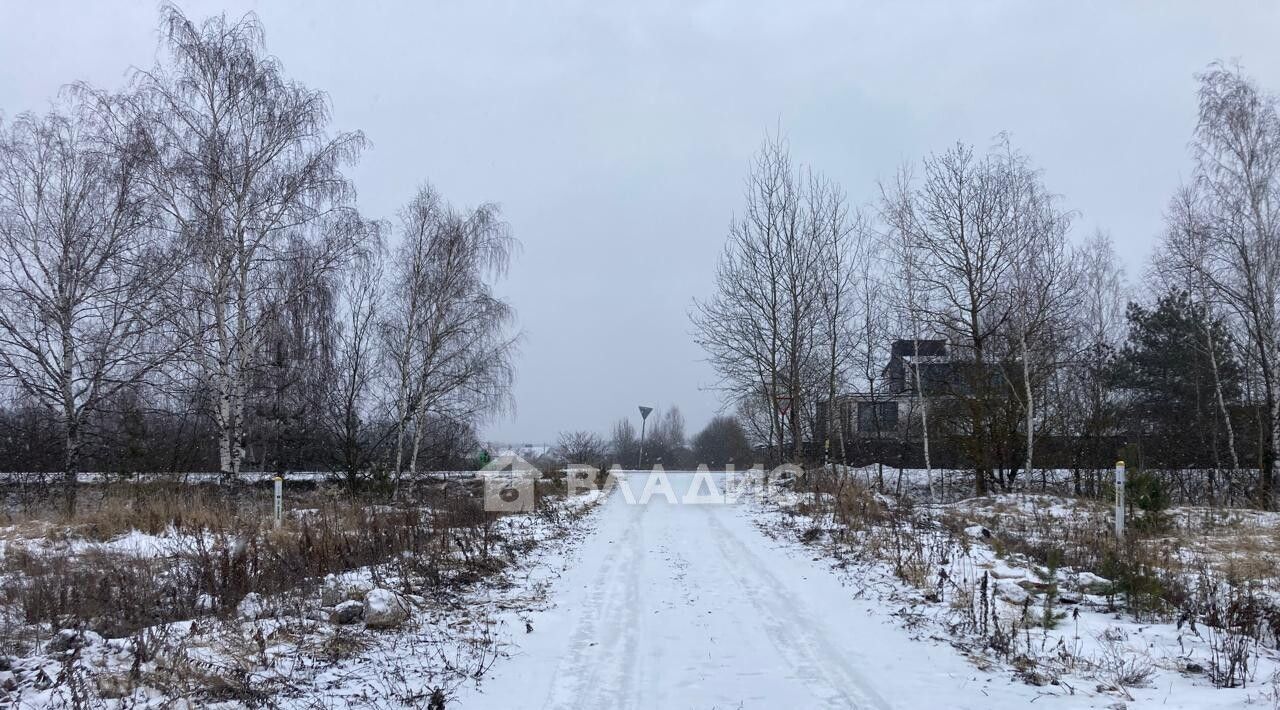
(1095, 654)
(671, 605)
(29, 477)
(660, 597)
(291, 650)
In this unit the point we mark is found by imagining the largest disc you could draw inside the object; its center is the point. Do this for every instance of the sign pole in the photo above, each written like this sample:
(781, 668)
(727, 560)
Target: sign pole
(644, 416)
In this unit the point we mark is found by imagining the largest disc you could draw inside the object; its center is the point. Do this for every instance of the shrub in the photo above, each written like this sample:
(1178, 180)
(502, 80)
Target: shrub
(1134, 576)
(1147, 494)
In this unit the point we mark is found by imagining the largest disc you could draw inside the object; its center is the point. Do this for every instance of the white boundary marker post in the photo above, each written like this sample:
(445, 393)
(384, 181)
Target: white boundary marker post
(279, 503)
(1120, 500)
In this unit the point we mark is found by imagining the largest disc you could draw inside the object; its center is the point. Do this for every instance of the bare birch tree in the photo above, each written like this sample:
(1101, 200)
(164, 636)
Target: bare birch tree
(80, 264)
(1043, 290)
(903, 261)
(351, 387)
(249, 181)
(1233, 251)
(741, 326)
(1089, 409)
(1181, 261)
(961, 216)
(447, 334)
(843, 239)
(762, 328)
(870, 348)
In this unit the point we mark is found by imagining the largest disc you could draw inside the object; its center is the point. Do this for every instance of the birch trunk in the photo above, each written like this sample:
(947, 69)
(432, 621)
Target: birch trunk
(1026, 383)
(1222, 405)
(71, 428)
(924, 413)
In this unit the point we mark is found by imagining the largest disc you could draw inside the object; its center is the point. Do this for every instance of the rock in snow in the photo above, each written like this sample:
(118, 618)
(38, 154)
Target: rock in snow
(1010, 591)
(348, 612)
(252, 606)
(68, 639)
(384, 609)
(331, 592)
(336, 590)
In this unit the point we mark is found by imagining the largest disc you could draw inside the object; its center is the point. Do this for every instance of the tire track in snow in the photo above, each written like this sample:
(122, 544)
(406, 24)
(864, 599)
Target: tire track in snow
(674, 606)
(604, 641)
(792, 630)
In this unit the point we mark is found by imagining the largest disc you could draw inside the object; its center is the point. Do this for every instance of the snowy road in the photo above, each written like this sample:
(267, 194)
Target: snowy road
(691, 606)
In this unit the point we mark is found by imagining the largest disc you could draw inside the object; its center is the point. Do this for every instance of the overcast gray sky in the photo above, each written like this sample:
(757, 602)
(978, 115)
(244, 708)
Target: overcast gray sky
(616, 137)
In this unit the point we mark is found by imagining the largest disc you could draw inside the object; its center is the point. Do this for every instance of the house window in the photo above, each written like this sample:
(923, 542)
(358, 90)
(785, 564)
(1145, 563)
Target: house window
(877, 416)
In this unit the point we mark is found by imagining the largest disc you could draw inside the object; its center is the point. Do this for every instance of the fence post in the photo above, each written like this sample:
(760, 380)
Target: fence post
(1120, 500)
(279, 505)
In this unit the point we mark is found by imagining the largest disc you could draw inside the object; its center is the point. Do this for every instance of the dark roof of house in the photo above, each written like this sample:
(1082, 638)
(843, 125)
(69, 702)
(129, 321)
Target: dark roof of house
(902, 348)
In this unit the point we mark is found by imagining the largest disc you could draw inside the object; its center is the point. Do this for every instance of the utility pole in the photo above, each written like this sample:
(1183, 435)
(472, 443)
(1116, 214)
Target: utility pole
(644, 415)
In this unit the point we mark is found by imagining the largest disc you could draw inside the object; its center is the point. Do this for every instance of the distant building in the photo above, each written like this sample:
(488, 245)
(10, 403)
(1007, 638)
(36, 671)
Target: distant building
(927, 357)
(886, 412)
(884, 425)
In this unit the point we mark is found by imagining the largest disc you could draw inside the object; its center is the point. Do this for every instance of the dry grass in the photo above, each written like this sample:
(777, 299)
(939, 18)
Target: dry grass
(1234, 545)
(106, 511)
(212, 546)
(1194, 565)
(219, 544)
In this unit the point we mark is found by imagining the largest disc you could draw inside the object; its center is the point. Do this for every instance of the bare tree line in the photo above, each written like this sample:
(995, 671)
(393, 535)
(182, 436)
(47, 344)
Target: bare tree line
(192, 243)
(972, 247)
(721, 442)
(777, 328)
